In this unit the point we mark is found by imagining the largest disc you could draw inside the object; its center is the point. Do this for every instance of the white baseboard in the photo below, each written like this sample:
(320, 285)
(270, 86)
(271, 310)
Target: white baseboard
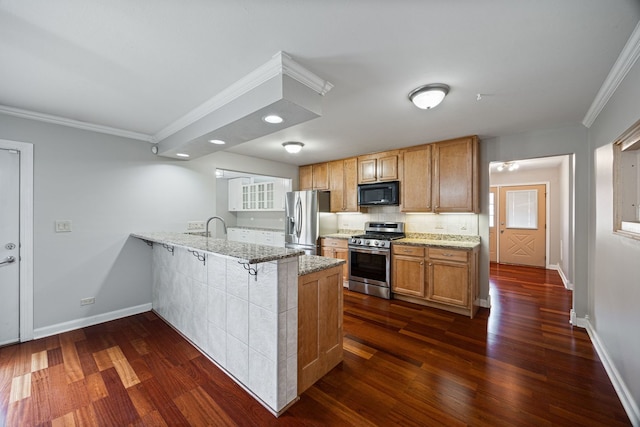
(485, 303)
(567, 284)
(89, 321)
(630, 406)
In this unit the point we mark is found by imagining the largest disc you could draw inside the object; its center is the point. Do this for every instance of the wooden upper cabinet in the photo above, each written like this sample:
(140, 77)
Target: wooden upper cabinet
(305, 178)
(343, 185)
(314, 177)
(455, 175)
(416, 180)
(378, 167)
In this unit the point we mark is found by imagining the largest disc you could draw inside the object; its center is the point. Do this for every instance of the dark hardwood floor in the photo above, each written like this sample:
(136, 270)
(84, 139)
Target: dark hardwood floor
(520, 364)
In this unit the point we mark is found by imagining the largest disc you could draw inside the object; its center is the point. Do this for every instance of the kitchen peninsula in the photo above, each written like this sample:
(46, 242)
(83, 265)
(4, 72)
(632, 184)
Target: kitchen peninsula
(238, 303)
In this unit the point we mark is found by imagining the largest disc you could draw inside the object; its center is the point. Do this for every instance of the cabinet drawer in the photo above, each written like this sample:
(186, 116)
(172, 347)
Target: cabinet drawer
(335, 243)
(408, 250)
(448, 254)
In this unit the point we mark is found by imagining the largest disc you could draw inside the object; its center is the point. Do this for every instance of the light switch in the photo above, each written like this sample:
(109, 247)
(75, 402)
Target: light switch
(63, 226)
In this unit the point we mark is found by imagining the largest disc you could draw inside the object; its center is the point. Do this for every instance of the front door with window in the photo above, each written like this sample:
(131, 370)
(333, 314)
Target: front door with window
(522, 225)
(9, 246)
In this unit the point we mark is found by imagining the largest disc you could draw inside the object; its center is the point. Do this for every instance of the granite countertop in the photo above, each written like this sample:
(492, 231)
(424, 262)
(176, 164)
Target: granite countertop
(450, 241)
(449, 244)
(242, 227)
(308, 264)
(250, 252)
(337, 236)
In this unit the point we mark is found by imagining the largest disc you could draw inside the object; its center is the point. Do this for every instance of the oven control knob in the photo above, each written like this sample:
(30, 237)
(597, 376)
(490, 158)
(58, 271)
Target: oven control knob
(383, 244)
(359, 242)
(376, 243)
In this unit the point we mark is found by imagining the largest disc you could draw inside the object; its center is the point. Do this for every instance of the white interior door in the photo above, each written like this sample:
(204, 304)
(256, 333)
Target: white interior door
(9, 246)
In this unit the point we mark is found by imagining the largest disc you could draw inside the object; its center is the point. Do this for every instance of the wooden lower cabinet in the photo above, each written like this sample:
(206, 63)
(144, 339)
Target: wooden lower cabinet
(336, 248)
(446, 279)
(408, 271)
(319, 325)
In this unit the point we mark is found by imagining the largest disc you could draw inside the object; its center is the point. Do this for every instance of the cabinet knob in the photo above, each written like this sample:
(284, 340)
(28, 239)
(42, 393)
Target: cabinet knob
(422, 263)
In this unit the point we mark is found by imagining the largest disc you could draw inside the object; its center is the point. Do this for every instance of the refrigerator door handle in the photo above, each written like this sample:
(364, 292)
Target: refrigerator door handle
(298, 215)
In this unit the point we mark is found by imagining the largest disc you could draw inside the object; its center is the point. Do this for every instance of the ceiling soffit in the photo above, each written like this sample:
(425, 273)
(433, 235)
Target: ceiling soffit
(281, 86)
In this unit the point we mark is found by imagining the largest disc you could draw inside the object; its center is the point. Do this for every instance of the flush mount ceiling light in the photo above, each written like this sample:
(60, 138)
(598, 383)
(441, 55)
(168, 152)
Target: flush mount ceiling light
(182, 155)
(429, 96)
(217, 141)
(273, 119)
(510, 166)
(293, 146)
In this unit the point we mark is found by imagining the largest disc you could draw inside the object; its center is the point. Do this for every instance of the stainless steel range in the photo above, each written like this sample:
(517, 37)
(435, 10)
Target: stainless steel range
(370, 258)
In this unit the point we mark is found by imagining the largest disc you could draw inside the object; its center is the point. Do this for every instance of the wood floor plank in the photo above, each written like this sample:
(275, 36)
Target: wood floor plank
(39, 361)
(72, 365)
(521, 363)
(94, 387)
(123, 368)
(200, 409)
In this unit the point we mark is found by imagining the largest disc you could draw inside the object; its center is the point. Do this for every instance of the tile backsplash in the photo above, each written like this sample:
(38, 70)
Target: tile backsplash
(464, 224)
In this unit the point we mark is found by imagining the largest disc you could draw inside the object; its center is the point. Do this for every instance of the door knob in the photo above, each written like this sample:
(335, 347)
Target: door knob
(8, 260)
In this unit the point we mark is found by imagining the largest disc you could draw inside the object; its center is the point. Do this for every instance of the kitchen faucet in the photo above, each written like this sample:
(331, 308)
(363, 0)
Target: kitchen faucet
(209, 220)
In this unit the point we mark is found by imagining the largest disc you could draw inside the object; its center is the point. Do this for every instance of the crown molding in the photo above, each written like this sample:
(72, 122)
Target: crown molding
(622, 66)
(48, 118)
(279, 64)
(304, 76)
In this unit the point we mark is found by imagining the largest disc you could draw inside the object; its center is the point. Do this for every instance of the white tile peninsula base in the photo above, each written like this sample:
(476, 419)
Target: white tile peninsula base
(247, 324)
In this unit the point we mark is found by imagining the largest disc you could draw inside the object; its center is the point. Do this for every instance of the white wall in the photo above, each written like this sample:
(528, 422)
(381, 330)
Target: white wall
(108, 187)
(615, 274)
(550, 176)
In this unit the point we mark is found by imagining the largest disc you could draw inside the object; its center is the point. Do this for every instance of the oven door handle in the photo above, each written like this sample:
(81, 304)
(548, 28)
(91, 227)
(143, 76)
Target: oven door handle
(375, 251)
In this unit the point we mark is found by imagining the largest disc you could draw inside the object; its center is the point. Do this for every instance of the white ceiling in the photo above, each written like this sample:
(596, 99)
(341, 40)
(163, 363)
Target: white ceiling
(141, 65)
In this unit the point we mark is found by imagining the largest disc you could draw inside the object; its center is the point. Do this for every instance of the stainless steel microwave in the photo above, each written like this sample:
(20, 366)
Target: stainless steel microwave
(379, 194)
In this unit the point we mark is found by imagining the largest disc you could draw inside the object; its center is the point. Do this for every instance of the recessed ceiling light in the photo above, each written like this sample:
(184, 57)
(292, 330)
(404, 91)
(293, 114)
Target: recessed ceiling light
(217, 141)
(273, 119)
(182, 155)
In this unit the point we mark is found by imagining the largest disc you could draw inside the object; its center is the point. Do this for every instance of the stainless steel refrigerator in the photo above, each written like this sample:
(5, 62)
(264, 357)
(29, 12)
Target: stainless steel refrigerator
(307, 218)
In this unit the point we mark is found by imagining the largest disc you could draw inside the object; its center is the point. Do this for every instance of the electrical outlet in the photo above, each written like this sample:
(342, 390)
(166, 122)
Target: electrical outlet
(195, 225)
(63, 226)
(87, 301)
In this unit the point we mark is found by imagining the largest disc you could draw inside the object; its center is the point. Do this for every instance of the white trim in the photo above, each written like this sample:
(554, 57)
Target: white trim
(623, 392)
(48, 118)
(280, 63)
(90, 321)
(618, 72)
(485, 303)
(567, 284)
(26, 235)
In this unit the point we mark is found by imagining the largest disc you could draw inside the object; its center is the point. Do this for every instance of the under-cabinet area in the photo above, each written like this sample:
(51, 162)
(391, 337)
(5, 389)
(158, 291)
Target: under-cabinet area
(445, 278)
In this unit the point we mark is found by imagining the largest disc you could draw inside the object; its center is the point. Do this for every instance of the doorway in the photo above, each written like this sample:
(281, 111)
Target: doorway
(16, 241)
(555, 175)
